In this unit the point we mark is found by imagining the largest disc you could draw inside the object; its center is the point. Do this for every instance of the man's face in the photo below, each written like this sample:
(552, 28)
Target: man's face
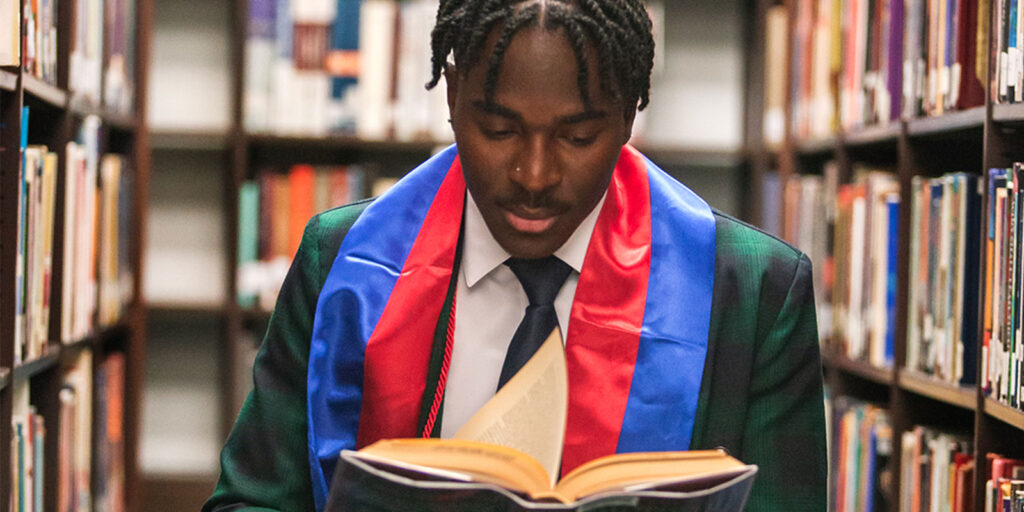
(536, 160)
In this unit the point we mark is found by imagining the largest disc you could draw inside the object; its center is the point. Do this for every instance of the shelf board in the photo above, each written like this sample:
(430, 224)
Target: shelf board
(680, 156)
(29, 369)
(45, 92)
(861, 369)
(343, 142)
(816, 146)
(952, 121)
(1005, 413)
(186, 308)
(82, 107)
(964, 397)
(212, 140)
(871, 135)
(256, 313)
(1008, 113)
(8, 80)
(5, 377)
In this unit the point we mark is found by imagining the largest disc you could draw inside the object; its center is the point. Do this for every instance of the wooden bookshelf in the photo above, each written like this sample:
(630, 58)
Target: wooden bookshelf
(963, 397)
(209, 140)
(55, 116)
(949, 122)
(42, 91)
(1005, 413)
(874, 135)
(860, 369)
(8, 80)
(969, 141)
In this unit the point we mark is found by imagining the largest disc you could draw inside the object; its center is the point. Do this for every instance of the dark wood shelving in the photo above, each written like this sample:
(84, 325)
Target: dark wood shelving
(860, 369)
(815, 146)
(671, 156)
(1009, 415)
(1009, 113)
(343, 142)
(29, 369)
(81, 107)
(973, 118)
(50, 94)
(963, 397)
(186, 308)
(8, 80)
(873, 135)
(212, 140)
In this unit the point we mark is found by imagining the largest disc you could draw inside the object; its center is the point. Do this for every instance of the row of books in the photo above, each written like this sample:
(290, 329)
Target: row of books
(850, 233)
(95, 277)
(936, 471)
(857, 63)
(28, 439)
(1004, 489)
(1008, 85)
(942, 326)
(87, 478)
(102, 51)
(862, 447)
(273, 211)
(40, 39)
(1001, 314)
(358, 67)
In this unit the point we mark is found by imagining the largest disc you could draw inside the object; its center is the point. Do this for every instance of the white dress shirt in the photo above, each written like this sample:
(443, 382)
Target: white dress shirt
(490, 304)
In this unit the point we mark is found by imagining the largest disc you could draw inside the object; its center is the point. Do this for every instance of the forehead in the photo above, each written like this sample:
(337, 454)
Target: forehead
(539, 72)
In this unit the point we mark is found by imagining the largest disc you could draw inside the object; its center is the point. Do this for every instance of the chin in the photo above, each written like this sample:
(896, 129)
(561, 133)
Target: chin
(531, 247)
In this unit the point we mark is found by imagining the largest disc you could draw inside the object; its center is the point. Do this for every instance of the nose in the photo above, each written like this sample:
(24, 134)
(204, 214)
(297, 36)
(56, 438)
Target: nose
(536, 169)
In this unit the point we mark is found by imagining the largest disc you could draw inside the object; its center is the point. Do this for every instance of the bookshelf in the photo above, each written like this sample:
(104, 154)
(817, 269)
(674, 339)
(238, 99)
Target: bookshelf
(970, 140)
(59, 113)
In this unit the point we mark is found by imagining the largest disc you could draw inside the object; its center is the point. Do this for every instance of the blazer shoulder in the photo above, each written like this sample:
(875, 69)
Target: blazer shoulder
(328, 230)
(739, 242)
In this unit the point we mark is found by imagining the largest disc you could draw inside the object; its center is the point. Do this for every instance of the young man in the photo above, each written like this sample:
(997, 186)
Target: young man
(400, 317)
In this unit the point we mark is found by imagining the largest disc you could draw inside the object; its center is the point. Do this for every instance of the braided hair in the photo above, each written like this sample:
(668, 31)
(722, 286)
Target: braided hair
(619, 29)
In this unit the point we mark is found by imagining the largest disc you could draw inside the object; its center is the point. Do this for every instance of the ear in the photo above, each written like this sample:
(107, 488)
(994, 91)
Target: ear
(628, 117)
(451, 81)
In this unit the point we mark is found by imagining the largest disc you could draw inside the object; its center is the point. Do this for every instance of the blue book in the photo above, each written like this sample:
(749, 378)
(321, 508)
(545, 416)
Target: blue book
(972, 283)
(343, 67)
(893, 205)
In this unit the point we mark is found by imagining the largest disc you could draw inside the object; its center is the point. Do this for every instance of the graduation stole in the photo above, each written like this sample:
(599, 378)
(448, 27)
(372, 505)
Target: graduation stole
(637, 337)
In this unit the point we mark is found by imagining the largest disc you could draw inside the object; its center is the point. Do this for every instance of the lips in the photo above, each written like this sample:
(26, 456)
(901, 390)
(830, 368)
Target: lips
(531, 222)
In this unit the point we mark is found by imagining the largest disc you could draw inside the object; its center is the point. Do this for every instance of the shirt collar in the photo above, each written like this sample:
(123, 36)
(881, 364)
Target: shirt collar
(482, 254)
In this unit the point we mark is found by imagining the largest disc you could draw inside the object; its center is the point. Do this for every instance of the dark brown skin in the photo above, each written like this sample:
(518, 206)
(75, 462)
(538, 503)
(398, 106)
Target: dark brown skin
(536, 160)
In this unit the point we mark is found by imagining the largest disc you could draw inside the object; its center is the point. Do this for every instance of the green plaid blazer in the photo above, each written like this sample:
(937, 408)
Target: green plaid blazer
(760, 399)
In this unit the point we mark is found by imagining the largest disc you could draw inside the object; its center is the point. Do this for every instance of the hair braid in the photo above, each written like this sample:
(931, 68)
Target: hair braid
(620, 31)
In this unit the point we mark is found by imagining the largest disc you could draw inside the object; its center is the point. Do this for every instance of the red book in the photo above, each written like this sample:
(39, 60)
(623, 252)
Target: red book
(301, 181)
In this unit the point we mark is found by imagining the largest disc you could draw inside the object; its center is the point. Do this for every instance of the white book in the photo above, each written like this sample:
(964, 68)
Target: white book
(10, 28)
(376, 48)
(74, 162)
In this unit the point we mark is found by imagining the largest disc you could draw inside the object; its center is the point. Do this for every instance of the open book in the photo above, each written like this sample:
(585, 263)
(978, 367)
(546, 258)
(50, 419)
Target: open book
(469, 461)
(507, 457)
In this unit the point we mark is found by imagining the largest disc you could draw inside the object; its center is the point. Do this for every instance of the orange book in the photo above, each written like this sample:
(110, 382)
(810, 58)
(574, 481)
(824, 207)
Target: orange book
(301, 181)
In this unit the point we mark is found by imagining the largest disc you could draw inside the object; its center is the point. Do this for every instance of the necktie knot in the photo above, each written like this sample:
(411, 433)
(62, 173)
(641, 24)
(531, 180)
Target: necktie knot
(541, 278)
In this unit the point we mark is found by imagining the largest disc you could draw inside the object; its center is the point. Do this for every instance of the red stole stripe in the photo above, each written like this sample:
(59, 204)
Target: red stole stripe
(398, 351)
(607, 313)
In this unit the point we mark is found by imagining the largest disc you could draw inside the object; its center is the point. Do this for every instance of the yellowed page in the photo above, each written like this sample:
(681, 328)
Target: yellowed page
(528, 413)
(482, 462)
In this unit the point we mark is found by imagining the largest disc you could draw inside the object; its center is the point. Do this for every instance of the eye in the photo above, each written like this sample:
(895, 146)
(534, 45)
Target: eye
(498, 134)
(581, 140)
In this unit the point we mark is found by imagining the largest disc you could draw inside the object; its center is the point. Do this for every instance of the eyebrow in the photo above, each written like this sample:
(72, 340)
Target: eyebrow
(503, 111)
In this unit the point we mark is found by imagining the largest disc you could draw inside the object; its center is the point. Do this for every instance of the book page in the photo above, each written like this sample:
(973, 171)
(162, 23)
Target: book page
(528, 413)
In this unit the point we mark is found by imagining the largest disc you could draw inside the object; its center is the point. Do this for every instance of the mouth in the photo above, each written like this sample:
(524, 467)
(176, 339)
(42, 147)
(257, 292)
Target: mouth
(530, 221)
